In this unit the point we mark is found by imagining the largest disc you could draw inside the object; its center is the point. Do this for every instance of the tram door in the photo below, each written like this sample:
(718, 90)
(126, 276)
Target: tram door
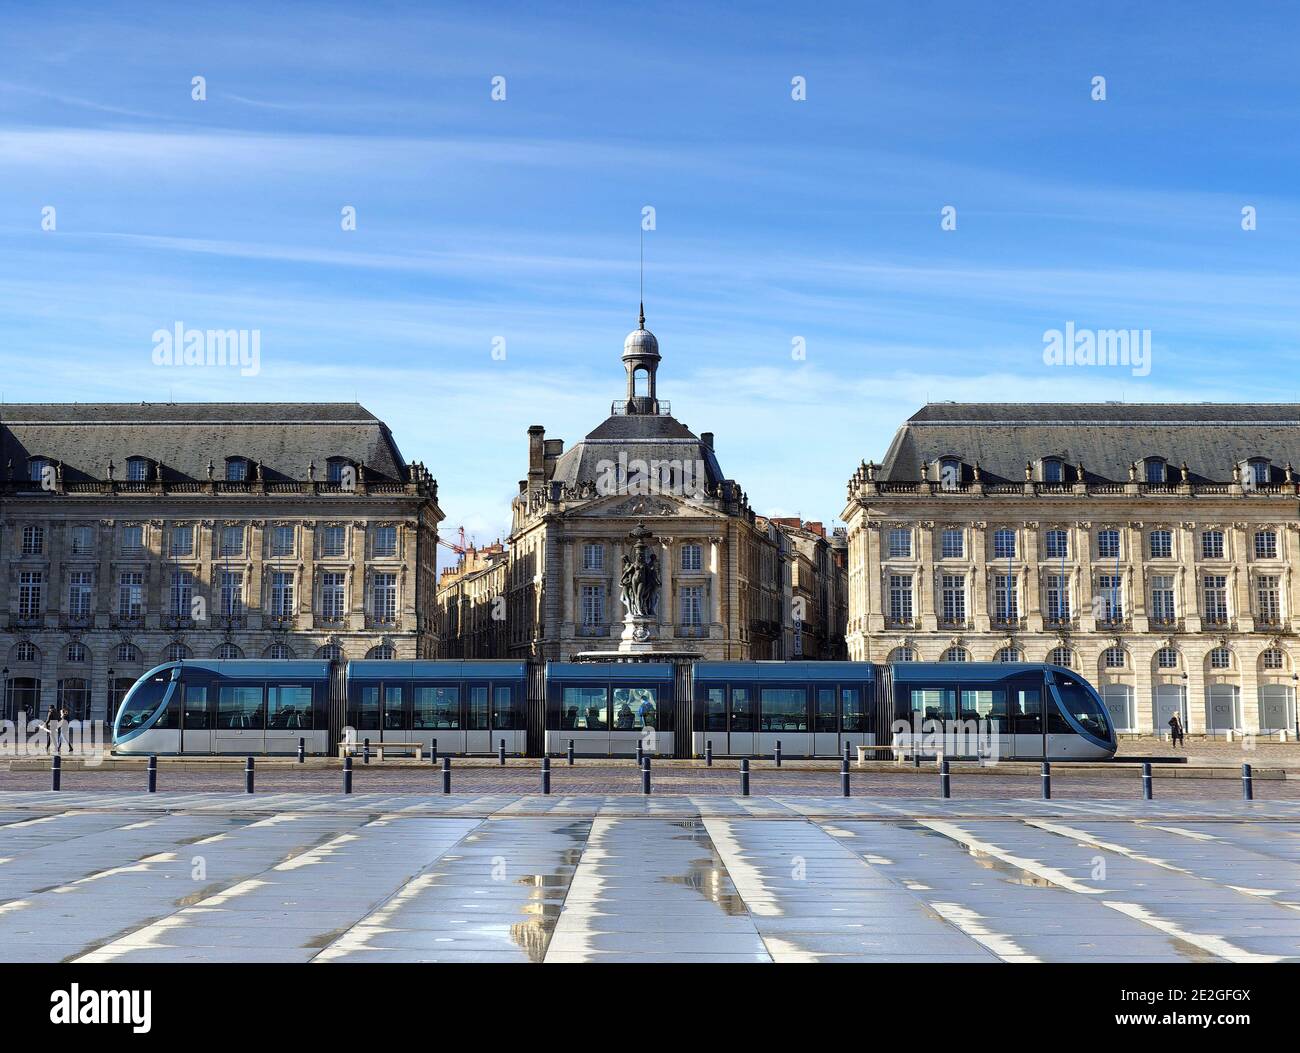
(1025, 701)
(826, 723)
(744, 721)
(395, 721)
(195, 720)
(478, 732)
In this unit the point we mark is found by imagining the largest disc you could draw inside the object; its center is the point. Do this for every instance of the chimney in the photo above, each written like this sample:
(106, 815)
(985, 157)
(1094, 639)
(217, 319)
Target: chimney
(706, 437)
(536, 454)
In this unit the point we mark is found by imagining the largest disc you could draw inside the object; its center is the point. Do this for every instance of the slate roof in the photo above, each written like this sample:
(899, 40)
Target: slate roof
(1104, 436)
(641, 436)
(184, 436)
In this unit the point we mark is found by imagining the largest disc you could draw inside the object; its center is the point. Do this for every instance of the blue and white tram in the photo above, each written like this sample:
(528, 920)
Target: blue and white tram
(605, 709)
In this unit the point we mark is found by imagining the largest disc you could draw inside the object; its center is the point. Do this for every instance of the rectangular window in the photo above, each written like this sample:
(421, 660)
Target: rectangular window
(1162, 599)
(31, 584)
(1004, 544)
(783, 709)
(384, 603)
(182, 594)
(232, 541)
(1216, 599)
(130, 594)
(593, 557)
(692, 557)
(133, 538)
(232, 593)
(934, 703)
(288, 707)
(1155, 472)
(437, 708)
(1267, 597)
(953, 595)
(585, 709)
(900, 543)
(635, 708)
(852, 712)
(1265, 544)
(33, 540)
(1056, 544)
(1058, 598)
(1162, 544)
(137, 469)
(1005, 606)
(332, 589)
(900, 598)
(1212, 544)
(593, 605)
(83, 540)
(182, 541)
(385, 540)
(239, 708)
(282, 540)
(81, 585)
(692, 604)
(281, 594)
(1110, 589)
(952, 544)
(333, 541)
(1108, 544)
(1053, 471)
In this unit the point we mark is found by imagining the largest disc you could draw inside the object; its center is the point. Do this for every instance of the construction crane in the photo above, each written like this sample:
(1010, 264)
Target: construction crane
(459, 548)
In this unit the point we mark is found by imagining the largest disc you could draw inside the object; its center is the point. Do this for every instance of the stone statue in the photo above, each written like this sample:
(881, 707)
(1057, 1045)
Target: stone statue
(639, 580)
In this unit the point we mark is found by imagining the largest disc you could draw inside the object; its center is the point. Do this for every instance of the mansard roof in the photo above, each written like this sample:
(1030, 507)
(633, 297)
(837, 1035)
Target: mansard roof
(639, 436)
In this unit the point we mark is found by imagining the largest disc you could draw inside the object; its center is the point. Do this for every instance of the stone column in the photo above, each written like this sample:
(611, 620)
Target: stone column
(667, 613)
(715, 584)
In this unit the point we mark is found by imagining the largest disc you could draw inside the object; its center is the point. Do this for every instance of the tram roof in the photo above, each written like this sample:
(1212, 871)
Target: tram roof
(387, 669)
(785, 671)
(965, 672)
(633, 671)
(256, 668)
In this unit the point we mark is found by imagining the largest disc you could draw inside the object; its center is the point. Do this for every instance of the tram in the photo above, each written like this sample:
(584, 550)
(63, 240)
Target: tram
(605, 709)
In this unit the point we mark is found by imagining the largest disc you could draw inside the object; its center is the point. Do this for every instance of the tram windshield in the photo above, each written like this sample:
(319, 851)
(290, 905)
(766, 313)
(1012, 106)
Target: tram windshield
(1084, 707)
(142, 702)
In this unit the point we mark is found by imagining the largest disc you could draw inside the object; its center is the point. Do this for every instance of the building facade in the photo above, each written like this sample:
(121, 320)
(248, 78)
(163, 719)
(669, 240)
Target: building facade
(818, 590)
(724, 572)
(134, 534)
(471, 604)
(1152, 548)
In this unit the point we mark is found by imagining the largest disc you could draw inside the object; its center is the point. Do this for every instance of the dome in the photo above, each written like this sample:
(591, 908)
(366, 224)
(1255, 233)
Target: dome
(640, 342)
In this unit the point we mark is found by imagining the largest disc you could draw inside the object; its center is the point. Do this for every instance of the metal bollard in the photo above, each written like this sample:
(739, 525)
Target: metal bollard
(433, 753)
(1146, 781)
(945, 780)
(365, 752)
(645, 776)
(302, 750)
(1247, 784)
(847, 752)
(570, 753)
(501, 753)
(1047, 780)
(844, 776)
(640, 753)
(708, 754)
(546, 775)
(153, 774)
(916, 755)
(56, 771)
(248, 775)
(776, 753)
(744, 776)
(446, 774)
(347, 774)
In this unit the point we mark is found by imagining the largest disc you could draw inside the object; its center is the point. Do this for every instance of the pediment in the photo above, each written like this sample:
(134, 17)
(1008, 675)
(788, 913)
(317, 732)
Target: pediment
(647, 506)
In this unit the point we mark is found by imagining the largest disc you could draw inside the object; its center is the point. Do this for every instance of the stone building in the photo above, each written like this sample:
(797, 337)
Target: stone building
(818, 584)
(722, 570)
(1152, 548)
(471, 604)
(134, 534)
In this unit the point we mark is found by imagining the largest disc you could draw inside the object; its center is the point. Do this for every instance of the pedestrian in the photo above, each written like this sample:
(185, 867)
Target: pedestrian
(1176, 731)
(61, 726)
(51, 719)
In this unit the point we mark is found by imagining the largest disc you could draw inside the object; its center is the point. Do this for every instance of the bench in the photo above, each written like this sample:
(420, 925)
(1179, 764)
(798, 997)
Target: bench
(356, 749)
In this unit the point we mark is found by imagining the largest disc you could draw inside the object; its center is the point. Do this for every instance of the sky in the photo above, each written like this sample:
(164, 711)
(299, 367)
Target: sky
(950, 187)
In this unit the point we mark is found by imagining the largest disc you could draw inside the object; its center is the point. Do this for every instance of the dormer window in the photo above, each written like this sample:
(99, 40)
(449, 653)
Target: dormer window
(334, 469)
(1155, 471)
(949, 473)
(1053, 470)
(236, 469)
(36, 468)
(137, 469)
(1257, 472)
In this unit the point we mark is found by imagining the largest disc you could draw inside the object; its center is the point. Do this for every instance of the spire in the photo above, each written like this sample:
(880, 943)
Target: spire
(641, 320)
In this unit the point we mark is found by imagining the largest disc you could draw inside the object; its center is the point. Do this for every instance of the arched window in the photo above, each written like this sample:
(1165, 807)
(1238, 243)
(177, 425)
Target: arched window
(1273, 659)
(77, 653)
(278, 651)
(128, 653)
(330, 652)
(334, 469)
(1061, 656)
(902, 654)
(1113, 658)
(1155, 470)
(950, 473)
(1008, 654)
(1220, 658)
(956, 654)
(26, 652)
(74, 695)
(1053, 470)
(36, 468)
(1166, 658)
(177, 652)
(383, 651)
(137, 469)
(236, 469)
(228, 652)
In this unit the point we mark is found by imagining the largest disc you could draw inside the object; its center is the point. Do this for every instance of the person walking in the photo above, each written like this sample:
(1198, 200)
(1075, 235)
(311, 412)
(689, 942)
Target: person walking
(1176, 731)
(61, 727)
(51, 719)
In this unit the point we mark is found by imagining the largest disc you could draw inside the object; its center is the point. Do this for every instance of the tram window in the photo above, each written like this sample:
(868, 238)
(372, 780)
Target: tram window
(437, 707)
(784, 708)
(934, 703)
(196, 707)
(715, 710)
(1083, 706)
(365, 708)
(145, 698)
(826, 716)
(478, 709)
(742, 709)
(288, 707)
(394, 707)
(854, 717)
(984, 704)
(503, 708)
(1026, 711)
(635, 708)
(239, 708)
(584, 709)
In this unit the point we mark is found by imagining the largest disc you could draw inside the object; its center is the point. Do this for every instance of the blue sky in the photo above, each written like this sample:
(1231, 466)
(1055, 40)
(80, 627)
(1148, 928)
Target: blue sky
(775, 218)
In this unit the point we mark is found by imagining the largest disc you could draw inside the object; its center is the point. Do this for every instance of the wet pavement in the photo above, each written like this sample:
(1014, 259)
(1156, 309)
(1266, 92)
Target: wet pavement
(117, 877)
